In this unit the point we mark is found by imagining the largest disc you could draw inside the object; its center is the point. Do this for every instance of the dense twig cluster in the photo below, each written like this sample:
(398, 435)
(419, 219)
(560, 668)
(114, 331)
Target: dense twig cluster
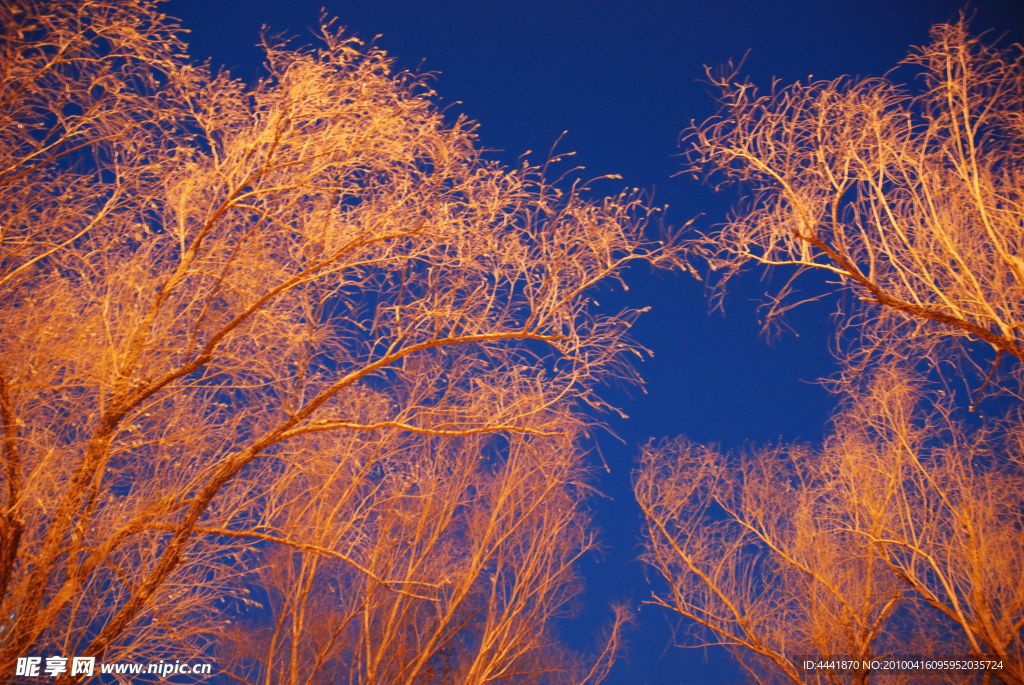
(901, 535)
(910, 201)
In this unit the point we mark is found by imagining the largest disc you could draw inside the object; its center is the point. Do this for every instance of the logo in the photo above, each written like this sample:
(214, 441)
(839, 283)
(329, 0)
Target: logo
(55, 666)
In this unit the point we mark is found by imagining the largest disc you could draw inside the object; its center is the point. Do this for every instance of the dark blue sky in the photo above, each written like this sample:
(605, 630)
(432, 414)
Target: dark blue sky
(623, 78)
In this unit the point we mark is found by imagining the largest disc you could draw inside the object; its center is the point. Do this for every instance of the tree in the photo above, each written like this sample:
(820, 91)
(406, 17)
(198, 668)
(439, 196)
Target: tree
(901, 535)
(211, 292)
(910, 200)
(903, 531)
(956, 511)
(450, 573)
(759, 553)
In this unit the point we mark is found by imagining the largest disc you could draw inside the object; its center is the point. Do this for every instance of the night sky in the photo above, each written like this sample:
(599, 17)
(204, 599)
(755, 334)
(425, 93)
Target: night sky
(624, 79)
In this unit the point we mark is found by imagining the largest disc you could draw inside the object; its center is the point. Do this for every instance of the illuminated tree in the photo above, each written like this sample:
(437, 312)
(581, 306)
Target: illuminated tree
(429, 563)
(954, 510)
(765, 555)
(211, 292)
(902, 534)
(909, 199)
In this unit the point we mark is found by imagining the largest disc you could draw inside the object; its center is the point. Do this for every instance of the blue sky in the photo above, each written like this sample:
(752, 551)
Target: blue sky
(624, 79)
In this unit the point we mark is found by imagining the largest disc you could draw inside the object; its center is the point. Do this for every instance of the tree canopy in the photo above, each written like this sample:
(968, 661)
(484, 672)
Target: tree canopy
(298, 336)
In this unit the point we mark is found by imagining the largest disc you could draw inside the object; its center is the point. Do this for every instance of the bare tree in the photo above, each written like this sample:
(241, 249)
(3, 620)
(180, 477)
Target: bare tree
(200, 278)
(767, 558)
(901, 535)
(428, 563)
(912, 202)
(954, 533)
